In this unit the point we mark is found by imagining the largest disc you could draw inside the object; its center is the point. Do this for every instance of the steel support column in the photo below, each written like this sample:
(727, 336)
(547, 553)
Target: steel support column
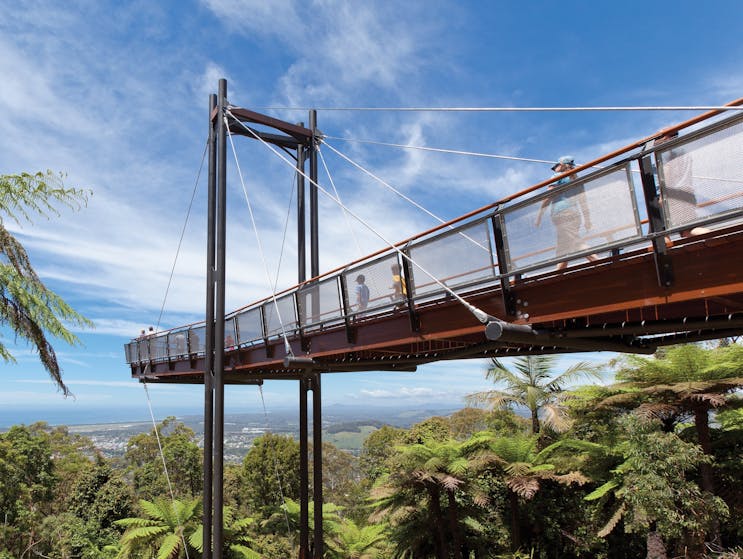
(304, 472)
(317, 464)
(304, 476)
(315, 379)
(218, 488)
(209, 341)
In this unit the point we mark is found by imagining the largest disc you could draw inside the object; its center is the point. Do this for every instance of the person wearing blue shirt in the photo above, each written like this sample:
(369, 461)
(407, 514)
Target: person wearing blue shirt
(362, 293)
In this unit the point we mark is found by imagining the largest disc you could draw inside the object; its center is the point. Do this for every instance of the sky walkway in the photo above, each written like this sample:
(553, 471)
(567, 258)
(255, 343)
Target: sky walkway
(656, 260)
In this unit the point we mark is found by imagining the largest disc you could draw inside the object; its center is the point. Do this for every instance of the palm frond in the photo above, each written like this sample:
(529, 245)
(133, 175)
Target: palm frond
(143, 532)
(196, 539)
(556, 418)
(158, 510)
(613, 521)
(571, 478)
(450, 483)
(170, 547)
(244, 551)
(602, 490)
(525, 487)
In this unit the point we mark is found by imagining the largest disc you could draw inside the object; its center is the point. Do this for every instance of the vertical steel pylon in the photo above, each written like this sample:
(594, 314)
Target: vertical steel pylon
(214, 344)
(209, 341)
(304, 141)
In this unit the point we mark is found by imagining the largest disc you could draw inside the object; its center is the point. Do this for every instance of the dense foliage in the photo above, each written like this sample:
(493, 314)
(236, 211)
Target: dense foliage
(647, 467)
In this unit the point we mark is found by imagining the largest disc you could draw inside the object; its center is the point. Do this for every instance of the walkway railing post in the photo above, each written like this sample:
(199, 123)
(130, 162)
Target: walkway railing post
(503, 268)
(209, 342)
(219, 322)
(663, 265)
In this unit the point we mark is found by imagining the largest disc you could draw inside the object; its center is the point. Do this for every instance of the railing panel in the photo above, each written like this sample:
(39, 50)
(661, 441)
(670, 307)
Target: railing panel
(197, 339)
(178, 343)
(250, 326)
(319, 303)
(702, 177)
(455, 258)
(377, 277)
(159, 346)
(569, 219)
(143, 349)
(230, 335)
(282, 311)
(130, 352)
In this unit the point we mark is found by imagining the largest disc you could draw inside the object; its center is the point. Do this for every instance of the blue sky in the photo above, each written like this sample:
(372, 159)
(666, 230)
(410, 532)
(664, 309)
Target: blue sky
(115, 94)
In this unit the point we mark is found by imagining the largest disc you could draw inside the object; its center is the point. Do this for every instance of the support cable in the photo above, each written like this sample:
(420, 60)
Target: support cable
(165, 466)
(479, 314)
(180, 240)
(157, 327)
(276, 467)
(442, 150)
(271, 283)
(455, 152)
(337, 195)
(393, 189)
(507, 109)
(286, 228)
(386, 184)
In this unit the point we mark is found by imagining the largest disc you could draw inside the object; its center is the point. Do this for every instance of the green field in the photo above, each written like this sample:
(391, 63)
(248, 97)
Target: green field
(349, 440)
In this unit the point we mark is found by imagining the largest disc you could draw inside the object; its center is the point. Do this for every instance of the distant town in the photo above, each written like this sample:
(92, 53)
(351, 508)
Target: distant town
(346, 428)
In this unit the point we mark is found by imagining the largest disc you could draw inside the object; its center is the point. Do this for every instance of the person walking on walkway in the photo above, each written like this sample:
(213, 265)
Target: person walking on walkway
(568, 210)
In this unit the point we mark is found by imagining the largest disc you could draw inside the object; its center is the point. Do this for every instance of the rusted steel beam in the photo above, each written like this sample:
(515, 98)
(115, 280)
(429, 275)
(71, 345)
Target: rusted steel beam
(275, 139)
(706, 269)
(304, 135)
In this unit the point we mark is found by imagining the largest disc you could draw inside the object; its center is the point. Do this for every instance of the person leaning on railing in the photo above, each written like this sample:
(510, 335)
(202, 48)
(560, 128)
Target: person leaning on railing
(399, 287)
(568, 207)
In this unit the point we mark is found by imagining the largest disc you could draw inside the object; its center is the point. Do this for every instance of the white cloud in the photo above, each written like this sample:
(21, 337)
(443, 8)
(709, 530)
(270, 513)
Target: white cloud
(278, 18)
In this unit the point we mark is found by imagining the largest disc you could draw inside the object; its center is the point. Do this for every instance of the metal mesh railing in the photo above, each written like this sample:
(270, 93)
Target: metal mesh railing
(701, 177)
(281, 316)
(319, 303)
(377, 277)
(456, 258)
(250, 325)
(588, 214)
